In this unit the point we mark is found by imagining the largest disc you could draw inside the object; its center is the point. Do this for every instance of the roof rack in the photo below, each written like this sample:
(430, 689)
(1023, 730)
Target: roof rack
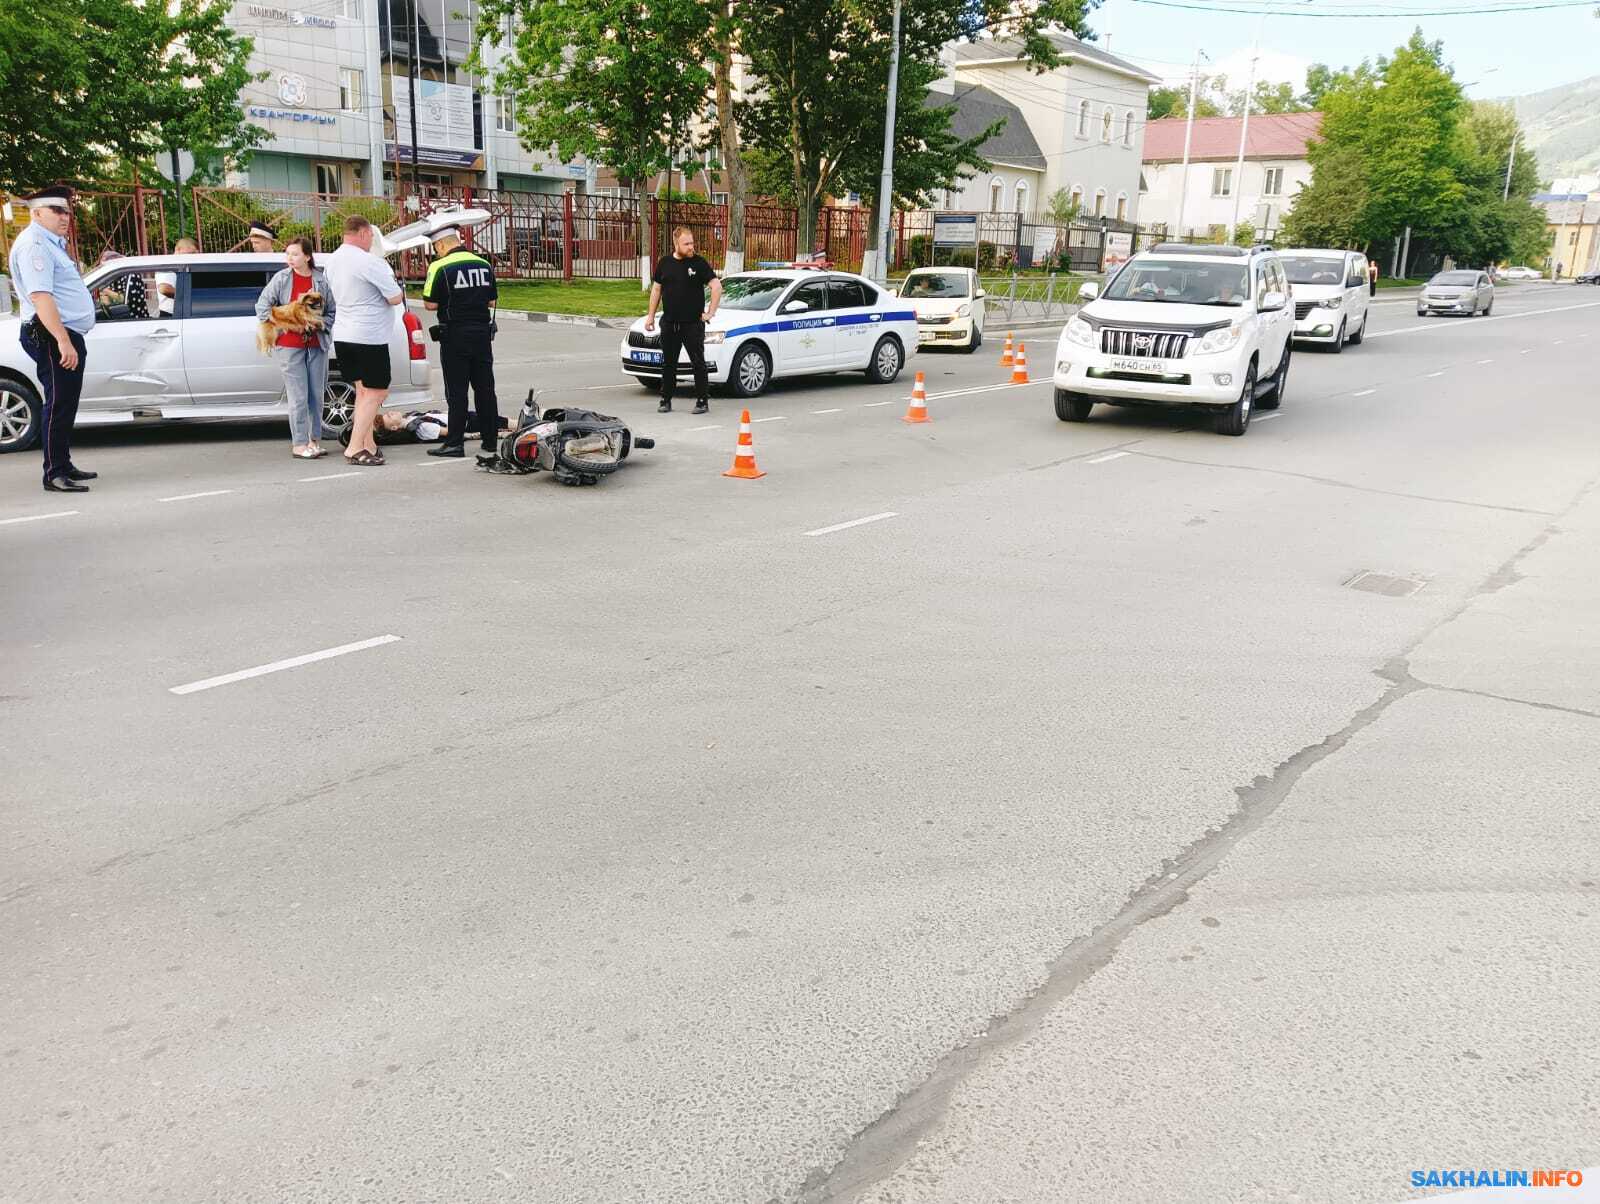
(1185, 248)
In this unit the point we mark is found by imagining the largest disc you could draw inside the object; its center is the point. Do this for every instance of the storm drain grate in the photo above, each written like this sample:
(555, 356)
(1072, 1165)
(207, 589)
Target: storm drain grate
(1383, 583)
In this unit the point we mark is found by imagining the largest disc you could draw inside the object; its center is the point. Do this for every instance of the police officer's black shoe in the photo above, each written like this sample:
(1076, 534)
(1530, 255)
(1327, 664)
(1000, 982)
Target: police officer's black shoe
(64, 484)
(702, 406)
(454, 450)
(664, 408)
(77, 474)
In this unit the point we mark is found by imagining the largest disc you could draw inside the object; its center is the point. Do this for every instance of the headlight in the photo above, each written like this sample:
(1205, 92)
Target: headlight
(1220, 340)
(1331, 303)
(1080, 332)
(964, 312)
(715, 336)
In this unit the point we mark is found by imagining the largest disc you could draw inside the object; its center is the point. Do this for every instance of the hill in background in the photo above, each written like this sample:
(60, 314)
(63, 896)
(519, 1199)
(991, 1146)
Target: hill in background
(1562, 126)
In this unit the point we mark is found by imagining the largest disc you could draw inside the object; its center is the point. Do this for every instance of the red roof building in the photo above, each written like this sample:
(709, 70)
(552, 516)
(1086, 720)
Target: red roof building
(1216, 194)
(1216, 139)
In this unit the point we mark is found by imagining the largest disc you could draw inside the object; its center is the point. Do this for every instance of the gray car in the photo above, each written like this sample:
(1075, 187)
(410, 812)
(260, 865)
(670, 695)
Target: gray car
(1456, 292)
(175, 338)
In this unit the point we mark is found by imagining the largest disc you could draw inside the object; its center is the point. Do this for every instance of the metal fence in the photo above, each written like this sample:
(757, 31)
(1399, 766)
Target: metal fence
(222, 216)
(130, 223)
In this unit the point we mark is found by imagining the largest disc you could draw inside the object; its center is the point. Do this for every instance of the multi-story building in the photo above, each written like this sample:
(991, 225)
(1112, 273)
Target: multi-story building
(1572, 225)
(337, 102)
(1219, 193)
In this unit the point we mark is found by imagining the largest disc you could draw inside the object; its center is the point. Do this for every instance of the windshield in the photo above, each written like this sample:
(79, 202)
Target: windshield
(1180, 282)
(937, 284)
(1309, 269)
(752, 292)
(1455, 278)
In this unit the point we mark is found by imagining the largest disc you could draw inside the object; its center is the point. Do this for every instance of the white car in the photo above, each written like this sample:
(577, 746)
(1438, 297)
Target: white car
(1179, 325)
(788, 322)
(1519, 273)
(191, 355)
(1331, 292)
(949, 306)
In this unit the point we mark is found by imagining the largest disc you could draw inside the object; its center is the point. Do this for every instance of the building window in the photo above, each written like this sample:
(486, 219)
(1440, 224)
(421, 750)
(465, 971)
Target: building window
(1222, 181)
(347, 8)
(505, 115)
(719, 198)
(1105, 126)
(327, 177)
(997, 190)
(1022, 196)
(1077, 198)
(949, 199)
(1144, 185)
(350, 90)
(1099, 202)
(1274, 184)
(1127, 128)
(1122, 206)
(1083, 119)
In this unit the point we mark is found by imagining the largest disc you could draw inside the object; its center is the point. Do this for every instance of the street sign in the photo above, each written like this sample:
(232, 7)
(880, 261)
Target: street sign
(1119, 249)
(182, 165)
(955, 229)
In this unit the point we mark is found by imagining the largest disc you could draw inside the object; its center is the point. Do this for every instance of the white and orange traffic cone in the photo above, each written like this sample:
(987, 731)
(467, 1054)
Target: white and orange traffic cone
(1006, 358)
(744, 456)
(917, 411)
(1019, 369)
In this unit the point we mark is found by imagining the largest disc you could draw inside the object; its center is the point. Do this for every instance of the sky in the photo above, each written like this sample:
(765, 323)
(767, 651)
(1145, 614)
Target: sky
(1497, 55)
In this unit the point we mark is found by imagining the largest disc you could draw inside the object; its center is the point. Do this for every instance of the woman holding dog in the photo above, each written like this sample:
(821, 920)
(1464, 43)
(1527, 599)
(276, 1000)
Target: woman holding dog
(302, 358)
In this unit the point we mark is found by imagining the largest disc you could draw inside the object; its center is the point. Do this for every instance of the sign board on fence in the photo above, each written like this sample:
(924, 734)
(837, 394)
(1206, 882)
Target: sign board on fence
(955, 229)
(444, 116)
(1044, 242)
(1119, 249)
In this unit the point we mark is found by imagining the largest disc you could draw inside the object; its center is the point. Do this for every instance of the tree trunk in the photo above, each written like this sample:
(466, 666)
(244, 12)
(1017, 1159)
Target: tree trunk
(643, 241)
(733, 173)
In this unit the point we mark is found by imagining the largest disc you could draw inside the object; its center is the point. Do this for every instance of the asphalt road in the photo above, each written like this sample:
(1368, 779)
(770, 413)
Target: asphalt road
(1073, 830)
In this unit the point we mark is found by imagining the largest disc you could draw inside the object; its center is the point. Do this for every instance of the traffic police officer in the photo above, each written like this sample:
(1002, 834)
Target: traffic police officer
(57, 311)
(461, 287)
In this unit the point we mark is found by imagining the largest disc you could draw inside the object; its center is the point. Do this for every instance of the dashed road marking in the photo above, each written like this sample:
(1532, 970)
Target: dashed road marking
(855, 522)
(1481, 363)
(872, 404)
(1477, 322)
(715, 426)
(1265, 417)
(34, 518)
(209, 683)
(189, 497)
(332, 476)
(835, 410)
(1108, 456)
(772, 418)
(1440, 372)
(1364, 393)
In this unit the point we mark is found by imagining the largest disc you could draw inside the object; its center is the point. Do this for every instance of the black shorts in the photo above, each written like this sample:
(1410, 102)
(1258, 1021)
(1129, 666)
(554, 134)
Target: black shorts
(363, 363)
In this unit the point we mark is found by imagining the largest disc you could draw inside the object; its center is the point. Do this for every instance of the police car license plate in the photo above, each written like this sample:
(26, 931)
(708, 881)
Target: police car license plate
(645, 357)
(1135, 364)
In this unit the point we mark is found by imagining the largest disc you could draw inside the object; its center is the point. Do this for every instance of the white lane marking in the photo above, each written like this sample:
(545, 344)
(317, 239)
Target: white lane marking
(835, 410)
(437, 461)
(1440, 372)
(715, 426)
(1265, 417)
(1483, 362)
(33, 518)
(854, 522)
(1526, 351)
(872, 404)
(189, 497)
(1477, 322)
(293, 662)
(1364, 393)
(1557, 342)
(988, 388)
(1107, 456)
(772, 418)
(625, 385)
(332, 476)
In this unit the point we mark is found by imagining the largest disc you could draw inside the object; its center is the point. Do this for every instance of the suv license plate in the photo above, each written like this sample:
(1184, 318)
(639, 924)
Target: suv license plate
(1134, 364)
(645, 357)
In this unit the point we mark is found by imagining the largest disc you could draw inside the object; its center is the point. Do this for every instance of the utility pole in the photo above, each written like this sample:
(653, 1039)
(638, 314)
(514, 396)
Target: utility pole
(886, 180)
(1244, 132)
(1188, 138)
(1510, 163)
(411, 91)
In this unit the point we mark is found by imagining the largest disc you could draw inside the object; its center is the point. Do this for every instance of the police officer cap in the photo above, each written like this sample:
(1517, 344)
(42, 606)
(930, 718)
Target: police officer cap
(445, 232)
(262, 230)
(57, 196)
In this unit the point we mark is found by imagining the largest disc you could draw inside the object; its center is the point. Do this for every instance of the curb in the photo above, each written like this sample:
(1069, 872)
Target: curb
(525, 315)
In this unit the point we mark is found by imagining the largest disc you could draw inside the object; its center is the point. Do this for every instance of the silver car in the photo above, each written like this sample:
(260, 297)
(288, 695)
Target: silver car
(176, 338)
(1456, 292)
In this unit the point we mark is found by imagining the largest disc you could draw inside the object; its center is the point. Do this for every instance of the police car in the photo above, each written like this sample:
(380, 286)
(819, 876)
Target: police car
(789, 322)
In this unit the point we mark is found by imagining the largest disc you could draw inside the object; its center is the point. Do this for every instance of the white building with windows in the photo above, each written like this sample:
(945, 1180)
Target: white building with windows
(1086, 120)
(1015, 177)
(1262, 192)
(336, 102)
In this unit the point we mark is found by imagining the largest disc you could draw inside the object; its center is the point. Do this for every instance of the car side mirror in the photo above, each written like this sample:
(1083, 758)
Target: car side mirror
(893, 292)
(981, 294)
(1272, 301)
(1088, 291)
(795, 307)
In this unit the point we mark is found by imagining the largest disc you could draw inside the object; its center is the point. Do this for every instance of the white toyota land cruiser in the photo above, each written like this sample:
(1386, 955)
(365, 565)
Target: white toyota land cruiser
(1178, 325)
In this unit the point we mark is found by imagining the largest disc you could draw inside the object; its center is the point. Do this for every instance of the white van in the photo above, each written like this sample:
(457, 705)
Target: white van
(1331, 293)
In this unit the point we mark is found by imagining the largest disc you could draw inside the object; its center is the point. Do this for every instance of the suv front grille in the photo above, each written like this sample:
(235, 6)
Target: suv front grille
(640, 339)
(1145, 344)
(1302, 310)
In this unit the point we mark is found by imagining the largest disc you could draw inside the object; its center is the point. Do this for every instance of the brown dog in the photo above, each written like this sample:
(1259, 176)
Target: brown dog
(302, 315)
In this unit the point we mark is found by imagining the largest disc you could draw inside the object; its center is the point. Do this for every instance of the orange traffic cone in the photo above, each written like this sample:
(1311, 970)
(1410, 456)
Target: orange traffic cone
(1005, 356)
(1019, 370)
(917, 411)
(744, 456)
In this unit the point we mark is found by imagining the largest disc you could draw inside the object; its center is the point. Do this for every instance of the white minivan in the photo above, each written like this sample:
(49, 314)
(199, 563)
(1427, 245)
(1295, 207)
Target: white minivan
(1331, 293)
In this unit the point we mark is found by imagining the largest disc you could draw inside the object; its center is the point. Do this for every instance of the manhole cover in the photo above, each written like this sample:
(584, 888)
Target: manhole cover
(1385, 584)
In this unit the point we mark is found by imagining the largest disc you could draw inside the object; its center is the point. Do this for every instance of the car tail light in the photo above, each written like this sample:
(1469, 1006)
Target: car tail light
(414, 332)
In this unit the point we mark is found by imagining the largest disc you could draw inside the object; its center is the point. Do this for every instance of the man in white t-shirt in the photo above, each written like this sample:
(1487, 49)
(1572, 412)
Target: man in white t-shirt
(364, 288)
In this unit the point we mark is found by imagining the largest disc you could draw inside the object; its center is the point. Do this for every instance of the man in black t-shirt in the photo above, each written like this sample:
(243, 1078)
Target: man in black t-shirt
(681, 280)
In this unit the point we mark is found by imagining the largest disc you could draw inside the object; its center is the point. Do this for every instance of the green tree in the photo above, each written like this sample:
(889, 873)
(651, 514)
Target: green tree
(1269, 98)
(1327, 212)
(91, 83)
(621, 82)
(1062, 208)
(1174, 102)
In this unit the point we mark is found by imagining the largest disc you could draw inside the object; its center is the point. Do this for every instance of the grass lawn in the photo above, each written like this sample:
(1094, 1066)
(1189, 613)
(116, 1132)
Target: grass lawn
(1389, 282)
(599, 298)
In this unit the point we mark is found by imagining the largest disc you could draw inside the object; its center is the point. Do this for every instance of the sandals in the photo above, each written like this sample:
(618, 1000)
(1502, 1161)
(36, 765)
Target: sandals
(306, 454)
(365, 459)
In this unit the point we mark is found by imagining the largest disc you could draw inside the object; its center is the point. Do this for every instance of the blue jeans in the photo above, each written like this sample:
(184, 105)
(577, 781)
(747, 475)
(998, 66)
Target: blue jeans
(305, 379)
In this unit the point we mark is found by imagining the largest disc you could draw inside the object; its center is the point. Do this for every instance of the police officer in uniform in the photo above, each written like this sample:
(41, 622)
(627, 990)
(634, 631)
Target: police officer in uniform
(57, 311)
(461, 287)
